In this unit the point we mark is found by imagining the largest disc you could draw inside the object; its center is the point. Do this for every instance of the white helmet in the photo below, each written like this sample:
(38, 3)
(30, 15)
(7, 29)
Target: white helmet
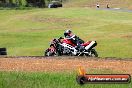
(67, 32)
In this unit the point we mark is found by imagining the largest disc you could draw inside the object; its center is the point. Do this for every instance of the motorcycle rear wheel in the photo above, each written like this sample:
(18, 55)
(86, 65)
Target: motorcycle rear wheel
(93, 53)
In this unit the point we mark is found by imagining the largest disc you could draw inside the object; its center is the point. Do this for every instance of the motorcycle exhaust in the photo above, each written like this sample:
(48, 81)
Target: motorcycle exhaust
(91, 45)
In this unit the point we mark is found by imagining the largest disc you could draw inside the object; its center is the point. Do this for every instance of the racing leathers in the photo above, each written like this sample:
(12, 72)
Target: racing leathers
(76, 40)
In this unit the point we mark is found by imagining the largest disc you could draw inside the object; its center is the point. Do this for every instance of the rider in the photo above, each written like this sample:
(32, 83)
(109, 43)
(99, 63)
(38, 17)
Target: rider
(75, 39)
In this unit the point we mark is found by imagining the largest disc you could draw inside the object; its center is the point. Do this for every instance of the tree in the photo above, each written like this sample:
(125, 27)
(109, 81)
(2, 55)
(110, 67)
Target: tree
(36, 3)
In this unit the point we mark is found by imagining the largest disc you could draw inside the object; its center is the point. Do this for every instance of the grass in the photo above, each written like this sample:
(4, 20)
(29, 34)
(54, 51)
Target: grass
(49, 80)
(28, 32)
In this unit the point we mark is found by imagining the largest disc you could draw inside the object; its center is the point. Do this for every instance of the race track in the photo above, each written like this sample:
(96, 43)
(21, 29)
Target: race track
(47, 64)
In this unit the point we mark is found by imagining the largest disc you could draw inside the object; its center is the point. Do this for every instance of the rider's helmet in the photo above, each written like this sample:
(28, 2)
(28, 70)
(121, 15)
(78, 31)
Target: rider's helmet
(67, 32)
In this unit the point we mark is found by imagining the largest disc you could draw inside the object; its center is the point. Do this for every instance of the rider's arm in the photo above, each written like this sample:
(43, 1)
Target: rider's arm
(71, 37)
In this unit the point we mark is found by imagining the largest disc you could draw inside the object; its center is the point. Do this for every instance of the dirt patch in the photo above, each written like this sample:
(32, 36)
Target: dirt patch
(49, 19)
(63, 64)
(127, 36)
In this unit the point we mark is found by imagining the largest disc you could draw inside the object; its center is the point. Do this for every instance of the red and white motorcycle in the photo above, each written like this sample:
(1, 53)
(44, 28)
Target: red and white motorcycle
(66, 46)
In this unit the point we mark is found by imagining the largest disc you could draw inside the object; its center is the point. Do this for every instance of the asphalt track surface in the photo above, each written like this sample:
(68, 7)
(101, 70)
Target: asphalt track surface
(62, 64)
(116, 9)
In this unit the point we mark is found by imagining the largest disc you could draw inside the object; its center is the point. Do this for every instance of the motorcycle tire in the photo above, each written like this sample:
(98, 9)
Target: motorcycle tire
(94, 53)
(46, 53)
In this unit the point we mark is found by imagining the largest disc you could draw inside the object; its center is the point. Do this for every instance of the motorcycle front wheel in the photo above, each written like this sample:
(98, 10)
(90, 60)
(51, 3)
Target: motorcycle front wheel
(48, 53)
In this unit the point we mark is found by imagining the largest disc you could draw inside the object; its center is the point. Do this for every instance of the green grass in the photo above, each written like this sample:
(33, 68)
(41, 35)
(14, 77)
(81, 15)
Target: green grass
(28, 32)
(48, 80)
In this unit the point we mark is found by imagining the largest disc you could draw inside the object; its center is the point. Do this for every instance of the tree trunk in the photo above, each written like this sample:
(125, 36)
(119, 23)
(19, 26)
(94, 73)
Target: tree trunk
(42, 3)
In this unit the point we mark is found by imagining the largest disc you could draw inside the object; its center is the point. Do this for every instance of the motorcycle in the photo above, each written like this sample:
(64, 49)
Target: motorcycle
(59, 47)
